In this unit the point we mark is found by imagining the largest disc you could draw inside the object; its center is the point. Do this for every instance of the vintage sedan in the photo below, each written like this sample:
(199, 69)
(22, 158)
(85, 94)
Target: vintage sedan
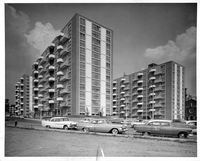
(103, 125)
(163, 128)
(138, 122)
(59, 122)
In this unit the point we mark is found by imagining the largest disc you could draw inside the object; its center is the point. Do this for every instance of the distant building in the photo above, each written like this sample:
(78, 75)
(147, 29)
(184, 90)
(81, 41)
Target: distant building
(73, 76)
(7, 106)
(157, 92)
(23, 96)
(12, 110)
(191, 109)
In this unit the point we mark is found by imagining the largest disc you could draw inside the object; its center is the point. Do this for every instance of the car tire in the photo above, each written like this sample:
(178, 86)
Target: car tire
(65, 127)
(182, 135)
(114, 131)
(145, 133)
(48, 126)
(86, 130)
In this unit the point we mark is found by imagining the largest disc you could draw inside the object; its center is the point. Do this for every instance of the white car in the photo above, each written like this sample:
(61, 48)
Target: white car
(86, 120)
(59, 122)
(138, 122)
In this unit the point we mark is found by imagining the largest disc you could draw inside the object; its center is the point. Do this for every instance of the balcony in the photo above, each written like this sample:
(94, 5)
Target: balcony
(59, 48)
(114, 94)
(40, 67)
(152, 86)
(21, 90)
(51, 67)
(60, 73)
(158, 89)
(35, 98)
(35, 106)
(22, 97)
(122, 86)
(114, 106)
(40, 86)
(114, 88)
(64, 91)
(114, 82)
(64, 52)
(64, 78)
(134, 101)
(43, 71)
(35, 64)
(152, 70)
(59, 99)
(122, 112)
(158, 97)
(64, 104)
(139, 111)
(40, 105)
(140, 81)
(122, 92)
(140, 96)
(123, 79)
(60, 60)
(64, 39)
(43, 80)
(40, 58)
(152, 94)
(22, 109)
(51, 101)
(21, 103)
(122, 105)
(51, 56)
(140, 74)
(64, 65)
(35, 81)
(114, 112)
(135, 108)
(52, 45)
(158, 113)
(152, 102)
(21, 84)
(40, 76)
(158, 81)
(59, 86)
(43, 100)
(51, 90)
(158, 105)
(35, 72)
(114, 100)
(152, 78)
(51, 79)
(43, 61)
(140, 103)
(140, 89)
(152, 110)
(126, 108)
(40, 95)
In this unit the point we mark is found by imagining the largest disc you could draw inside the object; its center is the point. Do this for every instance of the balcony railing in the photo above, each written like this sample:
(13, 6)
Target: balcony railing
(64, 91)
(64, 78)
(60, 60)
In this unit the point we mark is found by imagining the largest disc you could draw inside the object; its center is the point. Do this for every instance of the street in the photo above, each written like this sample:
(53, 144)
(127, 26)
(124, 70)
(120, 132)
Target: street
(29, 142)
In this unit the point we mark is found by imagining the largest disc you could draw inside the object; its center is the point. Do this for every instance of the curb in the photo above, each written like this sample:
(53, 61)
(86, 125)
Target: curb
(136, 136)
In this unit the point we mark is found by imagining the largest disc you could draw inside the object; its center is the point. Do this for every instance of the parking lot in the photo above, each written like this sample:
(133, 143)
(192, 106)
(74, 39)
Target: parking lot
(29, 138)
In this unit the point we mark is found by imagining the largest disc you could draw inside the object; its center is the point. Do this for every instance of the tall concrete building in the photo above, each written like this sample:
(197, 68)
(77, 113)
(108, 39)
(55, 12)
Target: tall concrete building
(157, 92)
(73, 76)
(23, 96)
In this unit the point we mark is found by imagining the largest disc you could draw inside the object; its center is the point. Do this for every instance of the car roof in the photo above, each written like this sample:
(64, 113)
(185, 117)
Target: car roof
(59, 117)
(160, 120)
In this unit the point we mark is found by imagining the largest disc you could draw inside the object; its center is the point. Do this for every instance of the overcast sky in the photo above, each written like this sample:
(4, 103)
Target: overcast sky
(143, 33)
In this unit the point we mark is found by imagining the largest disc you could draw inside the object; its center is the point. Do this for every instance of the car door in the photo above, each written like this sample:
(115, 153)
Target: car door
(166, 129)
(102, 126)
(155, 128)
(58, 123)
(92, 126)
(52, 122)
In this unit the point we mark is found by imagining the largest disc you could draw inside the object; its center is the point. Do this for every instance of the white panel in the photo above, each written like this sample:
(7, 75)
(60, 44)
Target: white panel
(88, 42)
(88, 86)
(103, 34)
(103, 87)
(31, 93)
(88, 56)
(103, 74)
(88, 70)
(103, 47)
(175, 90)
(88, 28)
(181, 91)
(103, 61)
(88, 101)
(103, 104)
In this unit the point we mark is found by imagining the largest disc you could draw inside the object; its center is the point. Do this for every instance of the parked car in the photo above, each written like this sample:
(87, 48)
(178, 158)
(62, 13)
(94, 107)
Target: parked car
(104, 125)
(193, 124)
(59, 122)
(163, 128)
(86, 119)
(138, 122)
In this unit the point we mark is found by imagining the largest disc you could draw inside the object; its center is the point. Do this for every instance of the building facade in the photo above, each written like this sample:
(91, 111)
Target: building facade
(73, 76)
(23, 96)
(157, 92)
(191, 109)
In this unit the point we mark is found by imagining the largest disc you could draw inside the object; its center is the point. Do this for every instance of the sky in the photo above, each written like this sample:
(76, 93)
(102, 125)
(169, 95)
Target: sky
(143, 33)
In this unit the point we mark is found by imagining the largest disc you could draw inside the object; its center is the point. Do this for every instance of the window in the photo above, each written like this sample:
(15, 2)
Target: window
(96, 69)
(96, 62)
(82, 72)
(96, 83)
(82, 29)
(95, 96)
(82, 65)
(82, 21)
(96, 75)
(107, 46)
(82, 36)
(95, 48)
(82, 50)
(96, 55)
(82, 58)
(82, 80)
(82, 43)
(96, 41)
(96, 35)
(96, 28)
(108, 33)
(95, 89)
(82, 86)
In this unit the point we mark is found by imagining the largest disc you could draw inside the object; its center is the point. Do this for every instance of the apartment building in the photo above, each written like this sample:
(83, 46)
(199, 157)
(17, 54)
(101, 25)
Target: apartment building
(157, 92)
(73, 76)
(23, 96)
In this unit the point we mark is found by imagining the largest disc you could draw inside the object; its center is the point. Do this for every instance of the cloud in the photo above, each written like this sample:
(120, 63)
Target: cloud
(41, 36)
(182, 51)
(16, 21)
